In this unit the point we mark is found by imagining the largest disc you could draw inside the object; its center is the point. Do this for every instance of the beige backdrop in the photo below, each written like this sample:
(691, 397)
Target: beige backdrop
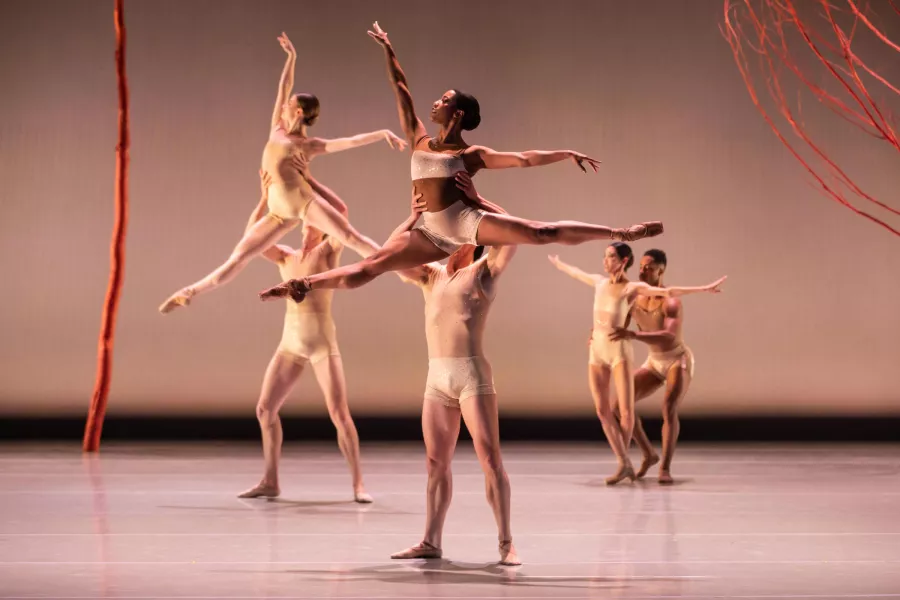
(808, 322)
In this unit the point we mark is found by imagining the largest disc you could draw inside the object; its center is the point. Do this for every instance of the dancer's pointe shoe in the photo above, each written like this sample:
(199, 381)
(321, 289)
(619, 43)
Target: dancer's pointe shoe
(648, 462)
(625, 471)
(263, 490)
(665, 478)
(362, 497)
(420, 550)
(637, 232)
(508, 555)
(295, 289)
(180, 298)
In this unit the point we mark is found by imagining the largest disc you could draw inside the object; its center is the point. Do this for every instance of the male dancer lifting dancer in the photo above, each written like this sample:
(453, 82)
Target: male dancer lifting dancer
(458, 298)
(309, 338)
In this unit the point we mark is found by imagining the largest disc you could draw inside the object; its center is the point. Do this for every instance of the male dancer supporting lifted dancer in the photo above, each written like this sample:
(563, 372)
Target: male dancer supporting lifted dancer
(309, 338)
(659, 321)
(458, 298)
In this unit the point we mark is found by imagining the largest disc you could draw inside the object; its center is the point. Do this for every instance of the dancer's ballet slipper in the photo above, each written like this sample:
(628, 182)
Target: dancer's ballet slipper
(263, 490)
(296, 289)
(637, 232)
(625, 471)
(180, 298)
(648, 462)
(508, 555)
(420, 550)
(362, 498)
(665, 478)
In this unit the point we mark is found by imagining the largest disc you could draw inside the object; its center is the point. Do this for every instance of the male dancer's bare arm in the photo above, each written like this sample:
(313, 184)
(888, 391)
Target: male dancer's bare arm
(465, 183)
(286, 83)
(666, 335)
(574, 272)
(278, 252)
(643, 289)
(498, 257)
(412, 125)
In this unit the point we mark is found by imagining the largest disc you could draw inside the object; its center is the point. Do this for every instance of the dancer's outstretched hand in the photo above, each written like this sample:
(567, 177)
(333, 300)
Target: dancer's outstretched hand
(286, 44)
(393, 140)
(580, 159)
(713, 288)
(379, 35)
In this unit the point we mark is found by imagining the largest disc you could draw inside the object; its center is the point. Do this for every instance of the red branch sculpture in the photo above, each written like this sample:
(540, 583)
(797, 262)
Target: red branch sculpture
(776, 32)
(97, 412)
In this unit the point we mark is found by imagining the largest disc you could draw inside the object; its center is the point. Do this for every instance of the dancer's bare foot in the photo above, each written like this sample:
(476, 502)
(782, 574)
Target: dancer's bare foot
(296, 289)
(361, 497)
(626, 471)
(263, 490)
(637, 232)
(665, 478)
(508, 555)
(420, 550)
(648, 462)
(180, 298)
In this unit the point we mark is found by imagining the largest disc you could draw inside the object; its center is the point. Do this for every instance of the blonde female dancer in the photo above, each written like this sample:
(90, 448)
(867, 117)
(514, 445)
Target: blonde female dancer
(291, 198)
(612, 356)
(451, 220)
(309, 338)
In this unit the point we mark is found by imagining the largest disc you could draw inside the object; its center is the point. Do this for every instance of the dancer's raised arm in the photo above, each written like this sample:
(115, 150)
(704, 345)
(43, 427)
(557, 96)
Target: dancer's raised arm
(642, 289)
(574, 272)
(491, 159)
(286, 84)
(412, 125)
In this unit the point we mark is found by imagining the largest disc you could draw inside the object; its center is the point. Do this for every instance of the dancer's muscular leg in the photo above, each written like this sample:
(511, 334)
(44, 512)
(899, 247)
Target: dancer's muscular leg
(507, 230)
(599, 378)
(326, 218)
(259, 238)
(678, 380)
(623, 377)
(329, 373)
(481, 417)
(440, 427)
(403, 251)
(281, 375)
(645, 384)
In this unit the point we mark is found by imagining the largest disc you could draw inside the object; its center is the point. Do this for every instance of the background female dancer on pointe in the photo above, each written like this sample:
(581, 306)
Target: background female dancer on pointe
(610, 354)
(451, 220)
(309, 337)
(291, 199)
(458, 298)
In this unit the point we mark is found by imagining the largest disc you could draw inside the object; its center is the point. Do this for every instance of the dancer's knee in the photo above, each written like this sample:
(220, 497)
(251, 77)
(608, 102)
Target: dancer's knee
(342, 421)
(606, 416)
(492, 465)
(266, 416)
(438, 467)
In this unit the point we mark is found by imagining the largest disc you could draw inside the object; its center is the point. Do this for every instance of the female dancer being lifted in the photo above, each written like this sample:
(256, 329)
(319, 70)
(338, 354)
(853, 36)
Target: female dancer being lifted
(451, 220)
(291, 199)
(610, 354)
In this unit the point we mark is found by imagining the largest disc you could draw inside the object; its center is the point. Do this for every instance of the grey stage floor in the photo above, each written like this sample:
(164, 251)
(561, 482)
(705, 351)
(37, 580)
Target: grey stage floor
(162, 521)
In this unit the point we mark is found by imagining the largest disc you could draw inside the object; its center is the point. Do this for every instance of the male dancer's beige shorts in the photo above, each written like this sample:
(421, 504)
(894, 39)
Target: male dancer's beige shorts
(309, 336)
(452, 380)
(659, 363)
